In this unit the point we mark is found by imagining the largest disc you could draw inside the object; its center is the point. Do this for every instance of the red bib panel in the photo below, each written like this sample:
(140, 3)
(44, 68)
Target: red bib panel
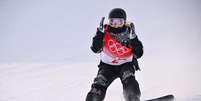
(115, 49)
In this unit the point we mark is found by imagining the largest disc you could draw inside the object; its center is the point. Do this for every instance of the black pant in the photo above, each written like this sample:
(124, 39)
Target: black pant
(107, 74)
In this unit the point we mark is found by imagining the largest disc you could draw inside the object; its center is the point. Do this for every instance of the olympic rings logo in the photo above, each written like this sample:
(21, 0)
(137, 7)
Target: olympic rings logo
(116, 47)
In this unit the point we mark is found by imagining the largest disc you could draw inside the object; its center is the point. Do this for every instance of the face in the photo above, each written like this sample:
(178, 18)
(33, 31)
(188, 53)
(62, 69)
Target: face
(116, 22)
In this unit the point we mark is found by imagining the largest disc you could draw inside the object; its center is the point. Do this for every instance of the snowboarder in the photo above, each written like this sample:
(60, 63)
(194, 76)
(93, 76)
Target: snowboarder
(119, 49)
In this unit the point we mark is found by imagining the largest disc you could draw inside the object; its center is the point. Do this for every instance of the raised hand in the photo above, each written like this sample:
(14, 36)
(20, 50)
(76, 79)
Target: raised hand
(132, 33)
(100, 28)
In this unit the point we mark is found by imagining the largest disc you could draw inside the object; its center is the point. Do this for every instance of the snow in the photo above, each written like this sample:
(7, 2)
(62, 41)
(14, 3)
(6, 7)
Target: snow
(61, 82)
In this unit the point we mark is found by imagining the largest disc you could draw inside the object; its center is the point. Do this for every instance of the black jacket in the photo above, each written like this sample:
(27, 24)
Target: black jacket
(136, 44)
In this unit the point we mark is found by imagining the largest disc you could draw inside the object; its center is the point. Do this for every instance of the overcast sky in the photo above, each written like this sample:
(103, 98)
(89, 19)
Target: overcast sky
(61, 30)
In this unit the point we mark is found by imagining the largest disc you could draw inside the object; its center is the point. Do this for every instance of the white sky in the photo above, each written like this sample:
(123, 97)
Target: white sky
(61, 30)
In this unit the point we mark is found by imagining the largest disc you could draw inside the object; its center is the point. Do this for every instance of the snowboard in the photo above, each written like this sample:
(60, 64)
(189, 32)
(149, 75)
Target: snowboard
(169, 97)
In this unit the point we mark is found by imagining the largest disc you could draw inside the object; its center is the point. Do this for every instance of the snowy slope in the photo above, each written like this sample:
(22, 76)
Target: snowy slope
(45, 48)
(64, 82)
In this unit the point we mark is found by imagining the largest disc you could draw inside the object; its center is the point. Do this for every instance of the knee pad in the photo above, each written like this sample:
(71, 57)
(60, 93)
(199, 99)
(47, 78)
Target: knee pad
(127, 75)
(101, 80)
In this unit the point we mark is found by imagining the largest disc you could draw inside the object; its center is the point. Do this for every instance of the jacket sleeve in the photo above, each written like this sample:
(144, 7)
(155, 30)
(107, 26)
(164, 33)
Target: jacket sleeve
(137, 47)
(97, 42)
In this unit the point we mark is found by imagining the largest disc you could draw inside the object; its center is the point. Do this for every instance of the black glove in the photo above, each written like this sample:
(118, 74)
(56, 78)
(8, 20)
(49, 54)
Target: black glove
(97, 43)
(137, 47)
(127, 41)
(100, 29)
(132, 31)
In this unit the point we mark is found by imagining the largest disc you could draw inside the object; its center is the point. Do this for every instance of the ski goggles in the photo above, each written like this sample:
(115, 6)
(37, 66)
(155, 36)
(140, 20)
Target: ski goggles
(116, 22)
